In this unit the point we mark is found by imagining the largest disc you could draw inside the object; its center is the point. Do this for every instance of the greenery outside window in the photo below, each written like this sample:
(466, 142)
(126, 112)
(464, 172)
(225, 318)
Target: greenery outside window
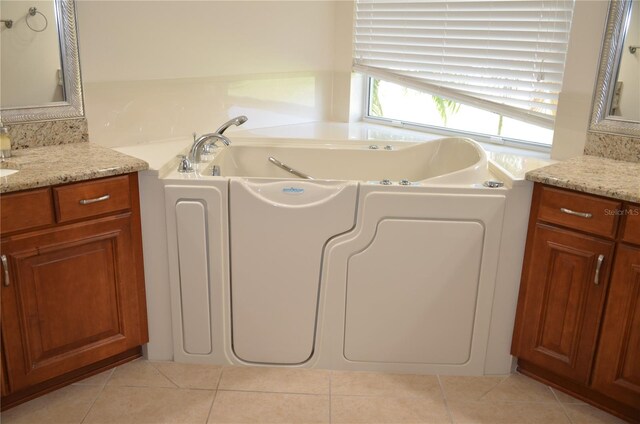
(389, 103)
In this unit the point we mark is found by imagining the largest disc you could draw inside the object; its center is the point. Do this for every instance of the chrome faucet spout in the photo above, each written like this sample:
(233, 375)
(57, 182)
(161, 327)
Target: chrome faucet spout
(237, 121)
(194, 153)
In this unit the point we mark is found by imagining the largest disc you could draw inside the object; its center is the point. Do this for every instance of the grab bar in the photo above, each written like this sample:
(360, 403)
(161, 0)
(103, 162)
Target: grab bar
(289, 169)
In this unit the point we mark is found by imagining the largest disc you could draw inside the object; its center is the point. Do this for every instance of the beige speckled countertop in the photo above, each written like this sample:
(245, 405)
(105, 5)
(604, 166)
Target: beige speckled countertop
(51, 165)
(593, 174)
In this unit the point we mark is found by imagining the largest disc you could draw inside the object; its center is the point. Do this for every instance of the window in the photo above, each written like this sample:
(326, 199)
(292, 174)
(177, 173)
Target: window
(480, 67)
(394, 102)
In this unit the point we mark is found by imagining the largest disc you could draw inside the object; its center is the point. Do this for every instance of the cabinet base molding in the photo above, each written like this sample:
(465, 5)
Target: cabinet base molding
(580, 392)
(15, 399)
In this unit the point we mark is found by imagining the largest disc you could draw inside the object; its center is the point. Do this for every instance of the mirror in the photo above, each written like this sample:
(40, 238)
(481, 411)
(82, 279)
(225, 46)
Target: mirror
(616, 107)
(40, 71)
(625, 102)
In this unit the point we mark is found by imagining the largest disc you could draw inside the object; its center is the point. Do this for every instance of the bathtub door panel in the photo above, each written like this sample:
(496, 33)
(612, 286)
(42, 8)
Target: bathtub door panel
(278, 231)
(412, 292)
(197, 241)
(191, 223)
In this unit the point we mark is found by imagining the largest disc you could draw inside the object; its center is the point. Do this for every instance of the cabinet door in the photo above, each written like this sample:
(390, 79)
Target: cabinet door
(561, 306)
(71, 299)
(617, 370)
(4, 387)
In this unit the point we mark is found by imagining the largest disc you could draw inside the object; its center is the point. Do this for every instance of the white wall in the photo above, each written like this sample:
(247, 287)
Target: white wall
(580, 73)
(342, 106)
(159, 69)
(29, 60)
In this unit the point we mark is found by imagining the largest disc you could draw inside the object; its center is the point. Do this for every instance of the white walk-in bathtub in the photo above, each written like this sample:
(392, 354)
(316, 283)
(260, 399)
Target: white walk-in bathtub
(392, 258)
(447, 160)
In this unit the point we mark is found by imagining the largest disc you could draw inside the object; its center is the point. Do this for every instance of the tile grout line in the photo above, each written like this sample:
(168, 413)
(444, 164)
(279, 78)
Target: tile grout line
(564, 410)
(339, 395)
(98, 395)
(233, 389)
(131, 386)
(330, 395)
(480, 398)
(163, 374)
(444, 398)
(215, 394)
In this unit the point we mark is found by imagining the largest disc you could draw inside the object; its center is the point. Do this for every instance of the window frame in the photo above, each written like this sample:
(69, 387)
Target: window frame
(433, 129)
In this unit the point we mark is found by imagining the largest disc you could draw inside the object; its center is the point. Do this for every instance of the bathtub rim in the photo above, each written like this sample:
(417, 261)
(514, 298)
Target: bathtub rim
(481, 165)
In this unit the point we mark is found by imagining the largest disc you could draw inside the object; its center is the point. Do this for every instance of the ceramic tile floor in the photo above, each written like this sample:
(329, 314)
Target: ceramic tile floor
(165, 392)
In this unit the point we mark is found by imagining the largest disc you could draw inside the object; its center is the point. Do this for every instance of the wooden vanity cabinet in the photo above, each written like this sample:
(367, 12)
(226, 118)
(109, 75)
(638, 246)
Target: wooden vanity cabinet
(578, 318)
(73, 299)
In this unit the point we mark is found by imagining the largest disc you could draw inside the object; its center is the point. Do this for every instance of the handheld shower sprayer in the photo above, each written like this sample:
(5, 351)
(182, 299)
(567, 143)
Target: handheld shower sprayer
(237, 121)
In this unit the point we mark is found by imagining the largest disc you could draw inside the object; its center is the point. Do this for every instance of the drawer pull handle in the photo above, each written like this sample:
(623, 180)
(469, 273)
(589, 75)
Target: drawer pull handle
(5, 266)
(97, 199)
(574, 213)
(596, 280)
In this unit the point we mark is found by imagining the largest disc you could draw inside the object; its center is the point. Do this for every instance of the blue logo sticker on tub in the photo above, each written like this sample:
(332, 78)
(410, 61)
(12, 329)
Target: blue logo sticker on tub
(293, 190)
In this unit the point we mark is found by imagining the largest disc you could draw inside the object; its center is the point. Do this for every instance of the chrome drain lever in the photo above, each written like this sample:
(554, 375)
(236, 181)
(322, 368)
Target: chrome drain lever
(289, 169)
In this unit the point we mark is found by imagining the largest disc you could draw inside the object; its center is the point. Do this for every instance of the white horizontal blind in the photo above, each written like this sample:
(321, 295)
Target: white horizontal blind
(504, 56)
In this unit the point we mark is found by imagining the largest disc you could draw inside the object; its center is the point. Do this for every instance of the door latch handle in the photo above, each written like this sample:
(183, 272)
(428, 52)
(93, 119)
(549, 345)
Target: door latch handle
(5, 266)
(596, 280)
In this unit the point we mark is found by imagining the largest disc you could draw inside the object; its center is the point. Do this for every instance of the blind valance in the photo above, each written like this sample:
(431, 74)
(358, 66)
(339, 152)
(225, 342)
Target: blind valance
(504, 56)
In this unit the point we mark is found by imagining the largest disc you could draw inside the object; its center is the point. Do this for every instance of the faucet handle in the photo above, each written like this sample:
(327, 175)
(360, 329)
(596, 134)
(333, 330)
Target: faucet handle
(195, 135)
(207, 149)
(185, 164)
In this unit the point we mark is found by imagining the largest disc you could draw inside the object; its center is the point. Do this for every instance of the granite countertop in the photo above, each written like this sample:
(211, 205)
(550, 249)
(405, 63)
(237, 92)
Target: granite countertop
(52, 165)
(593, 174)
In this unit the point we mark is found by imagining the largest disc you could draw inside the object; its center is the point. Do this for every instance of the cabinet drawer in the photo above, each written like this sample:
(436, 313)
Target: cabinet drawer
(631, 231)
(579, 211)
(81, 200)
(26, 210)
